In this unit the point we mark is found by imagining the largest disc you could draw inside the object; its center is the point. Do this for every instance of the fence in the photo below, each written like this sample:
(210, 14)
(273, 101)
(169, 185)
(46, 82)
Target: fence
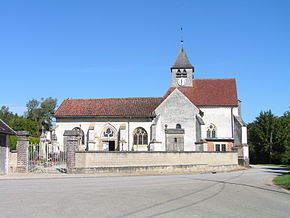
(45, 158)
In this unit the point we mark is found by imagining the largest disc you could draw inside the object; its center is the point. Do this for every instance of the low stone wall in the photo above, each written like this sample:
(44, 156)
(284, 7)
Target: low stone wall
(150, 162)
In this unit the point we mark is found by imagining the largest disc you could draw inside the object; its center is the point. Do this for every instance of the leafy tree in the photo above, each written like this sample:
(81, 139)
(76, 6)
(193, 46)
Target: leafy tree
(48, 106)
(269, 138)
(33, 111)
(27, 125)
(41, 111)
(285, 135)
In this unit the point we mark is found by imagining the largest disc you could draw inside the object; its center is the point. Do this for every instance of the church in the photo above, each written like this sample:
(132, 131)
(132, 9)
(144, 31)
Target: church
(194, 115)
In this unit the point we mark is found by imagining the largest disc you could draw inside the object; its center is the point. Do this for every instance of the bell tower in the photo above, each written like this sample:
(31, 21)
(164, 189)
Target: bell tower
(182, 71)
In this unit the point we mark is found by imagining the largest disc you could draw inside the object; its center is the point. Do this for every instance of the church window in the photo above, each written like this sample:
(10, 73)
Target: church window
(81, 135)
(184, 74)
(108, 133)
(178, 74)
(178, 126)
(140, 136)
(211, 131)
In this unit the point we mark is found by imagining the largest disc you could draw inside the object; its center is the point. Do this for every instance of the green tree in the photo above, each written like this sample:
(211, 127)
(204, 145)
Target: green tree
(269, 138)
(285, 136)
(48, 106)
(41, 111)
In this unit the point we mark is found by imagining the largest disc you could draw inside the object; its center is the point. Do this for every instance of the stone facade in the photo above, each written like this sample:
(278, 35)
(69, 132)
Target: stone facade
(154, 162)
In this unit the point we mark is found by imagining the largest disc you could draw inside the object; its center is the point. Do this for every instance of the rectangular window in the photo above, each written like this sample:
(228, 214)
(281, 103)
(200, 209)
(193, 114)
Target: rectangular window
(135, 140)
(224, 147)
(217, 147)
(175, 139)
(2, 140)
(208, 134)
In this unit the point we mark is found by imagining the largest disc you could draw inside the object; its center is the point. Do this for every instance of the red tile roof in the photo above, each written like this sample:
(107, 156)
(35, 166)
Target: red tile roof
(210, 92)
(205, 92)
(136, 107)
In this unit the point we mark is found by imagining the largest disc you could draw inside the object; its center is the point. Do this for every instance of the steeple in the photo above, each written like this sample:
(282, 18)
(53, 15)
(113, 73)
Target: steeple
(182, 61)
(182, 70)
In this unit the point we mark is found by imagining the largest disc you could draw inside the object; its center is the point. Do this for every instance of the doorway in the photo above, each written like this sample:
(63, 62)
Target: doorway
(111, 145)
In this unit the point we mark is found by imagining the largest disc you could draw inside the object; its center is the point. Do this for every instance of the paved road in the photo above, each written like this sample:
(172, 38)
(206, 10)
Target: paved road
(247, 193)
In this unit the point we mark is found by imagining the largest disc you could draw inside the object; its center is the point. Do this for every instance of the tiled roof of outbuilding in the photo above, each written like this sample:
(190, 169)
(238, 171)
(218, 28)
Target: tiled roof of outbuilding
(4, 128)
(118, 107)
(210, 92)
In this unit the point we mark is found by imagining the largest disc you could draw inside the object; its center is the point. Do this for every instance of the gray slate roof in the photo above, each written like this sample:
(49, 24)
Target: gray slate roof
(4, 128)
(182, 61)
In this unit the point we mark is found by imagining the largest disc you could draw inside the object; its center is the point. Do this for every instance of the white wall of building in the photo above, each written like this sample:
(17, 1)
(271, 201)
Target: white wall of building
(98, 125)
(177, 109)
(221, 117)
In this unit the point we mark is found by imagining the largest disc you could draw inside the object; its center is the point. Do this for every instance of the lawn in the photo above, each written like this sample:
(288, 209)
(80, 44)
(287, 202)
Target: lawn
(275, 165)
(283, 180)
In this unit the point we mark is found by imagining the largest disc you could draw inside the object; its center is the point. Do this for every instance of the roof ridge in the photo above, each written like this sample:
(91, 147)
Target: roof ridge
(113, 98)
(216, 79)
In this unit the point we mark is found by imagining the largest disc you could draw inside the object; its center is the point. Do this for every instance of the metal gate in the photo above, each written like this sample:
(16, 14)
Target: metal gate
(46, 158)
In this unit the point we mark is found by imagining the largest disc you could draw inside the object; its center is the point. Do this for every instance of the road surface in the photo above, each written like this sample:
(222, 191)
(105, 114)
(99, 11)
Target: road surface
(248, 193)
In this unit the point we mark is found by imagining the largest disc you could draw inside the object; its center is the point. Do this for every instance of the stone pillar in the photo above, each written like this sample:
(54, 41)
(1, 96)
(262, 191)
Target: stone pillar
(22, 152)
(42, 146)
(71, 139)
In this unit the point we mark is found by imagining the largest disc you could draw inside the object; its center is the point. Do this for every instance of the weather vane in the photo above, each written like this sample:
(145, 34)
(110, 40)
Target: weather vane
(181, 36)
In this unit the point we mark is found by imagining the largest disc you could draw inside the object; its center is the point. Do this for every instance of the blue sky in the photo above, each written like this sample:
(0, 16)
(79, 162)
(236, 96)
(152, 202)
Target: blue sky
(99, 49)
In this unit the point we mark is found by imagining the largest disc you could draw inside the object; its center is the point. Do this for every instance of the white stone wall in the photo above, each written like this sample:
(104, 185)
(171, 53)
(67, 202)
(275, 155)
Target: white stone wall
(98, 125)
(125, 159)
(221, 117)
(187, 80)
(176, 109)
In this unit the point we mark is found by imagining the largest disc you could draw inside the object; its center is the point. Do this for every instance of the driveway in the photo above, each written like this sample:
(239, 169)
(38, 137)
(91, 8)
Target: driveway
(248, 193)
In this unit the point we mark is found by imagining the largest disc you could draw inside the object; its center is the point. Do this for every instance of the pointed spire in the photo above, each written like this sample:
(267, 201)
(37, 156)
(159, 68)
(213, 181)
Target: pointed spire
(182, 61)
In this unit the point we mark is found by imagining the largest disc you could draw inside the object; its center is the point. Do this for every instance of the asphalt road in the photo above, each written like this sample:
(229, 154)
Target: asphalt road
(248, 193)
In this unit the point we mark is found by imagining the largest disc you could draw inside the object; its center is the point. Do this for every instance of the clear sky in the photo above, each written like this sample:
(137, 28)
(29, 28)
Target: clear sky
(99, 49)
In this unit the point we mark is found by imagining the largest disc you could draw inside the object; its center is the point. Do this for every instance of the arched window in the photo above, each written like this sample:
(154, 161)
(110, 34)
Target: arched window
(211, 131)
(178, 74)
(140, 136)
(81, 134)
(178, 126)
(184, 74)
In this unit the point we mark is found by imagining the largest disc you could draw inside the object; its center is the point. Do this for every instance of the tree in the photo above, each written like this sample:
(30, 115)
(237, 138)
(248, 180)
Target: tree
(269, 138)
(48, 106)
(285, 135)
(41, 111)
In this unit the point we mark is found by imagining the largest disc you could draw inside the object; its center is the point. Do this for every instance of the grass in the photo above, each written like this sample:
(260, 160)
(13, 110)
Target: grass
(283, 181)
(276, 165)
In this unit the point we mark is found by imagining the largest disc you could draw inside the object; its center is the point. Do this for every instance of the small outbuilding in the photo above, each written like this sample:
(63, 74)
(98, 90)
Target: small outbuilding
(5, 132)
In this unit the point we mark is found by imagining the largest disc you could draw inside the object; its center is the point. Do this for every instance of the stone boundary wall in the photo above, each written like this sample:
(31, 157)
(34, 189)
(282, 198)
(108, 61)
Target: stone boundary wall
(142, 162)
